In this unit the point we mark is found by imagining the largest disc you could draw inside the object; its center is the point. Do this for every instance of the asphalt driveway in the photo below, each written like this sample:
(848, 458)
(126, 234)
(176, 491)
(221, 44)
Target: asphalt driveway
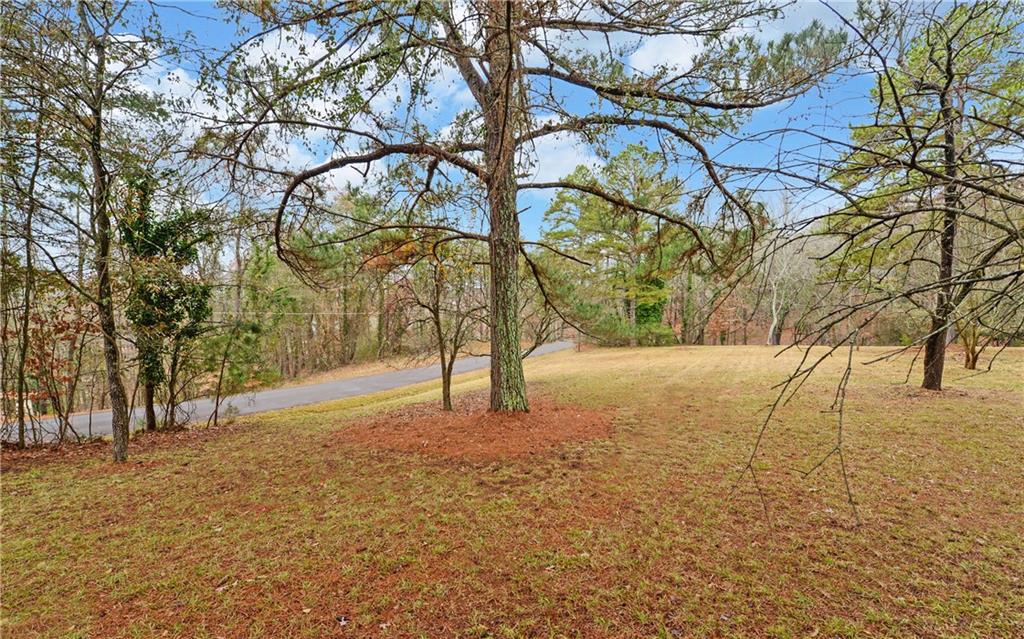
(200, 410)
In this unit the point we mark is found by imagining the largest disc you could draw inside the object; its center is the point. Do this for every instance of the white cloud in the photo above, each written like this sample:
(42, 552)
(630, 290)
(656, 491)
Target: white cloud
(674, 51)
(556, 156)
(449, 89)
(678, 51)
(296, 156)
(285, 46)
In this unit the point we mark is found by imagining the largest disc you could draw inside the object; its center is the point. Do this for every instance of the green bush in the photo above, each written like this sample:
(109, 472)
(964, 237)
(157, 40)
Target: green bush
(611, 330)
(655, 335)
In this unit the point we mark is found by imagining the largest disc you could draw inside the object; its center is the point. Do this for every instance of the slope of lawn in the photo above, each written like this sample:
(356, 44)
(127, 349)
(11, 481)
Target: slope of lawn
(279, 526)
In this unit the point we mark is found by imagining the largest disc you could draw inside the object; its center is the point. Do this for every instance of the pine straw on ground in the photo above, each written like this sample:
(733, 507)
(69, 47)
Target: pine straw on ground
(474, 433)
(284, 525)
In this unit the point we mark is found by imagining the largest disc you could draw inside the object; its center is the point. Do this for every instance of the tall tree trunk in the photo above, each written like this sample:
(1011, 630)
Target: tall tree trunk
(26, 316)
(446, 369)
(447, 358)
(105, 311)
(508, 385)
(6, 308)
(631, 316)
(171, 411)
(348, 328)
(935, 346)
(775, 336)
(99, 196)
(148, 391)
(446, 381)
(971, 360)
(778, 318)
(28, 283)
(935, 353)
(382, 326)
(239, 270)
(688, 312)
(778, 325)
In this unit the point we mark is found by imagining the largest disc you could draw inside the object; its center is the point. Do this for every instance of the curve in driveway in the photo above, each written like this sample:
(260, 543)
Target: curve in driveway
(99, 423)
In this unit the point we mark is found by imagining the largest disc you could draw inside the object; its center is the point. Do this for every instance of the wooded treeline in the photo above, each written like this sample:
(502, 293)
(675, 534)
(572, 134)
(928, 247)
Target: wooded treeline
(332, 202)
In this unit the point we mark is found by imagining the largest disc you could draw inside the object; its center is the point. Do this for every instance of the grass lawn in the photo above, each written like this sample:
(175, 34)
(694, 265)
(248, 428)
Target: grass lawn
(280, 526)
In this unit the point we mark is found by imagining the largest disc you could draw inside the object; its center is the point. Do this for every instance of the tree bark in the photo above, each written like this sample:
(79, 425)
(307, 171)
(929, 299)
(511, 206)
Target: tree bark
(446, 381)
(935, 346)
(171, 412)
(687, 310)
(447, 356)
(111, 352)
(348, 339)
(26, 317)
(631, 315)
(239, 270)
(99, 196)
(148, 391)
(508, 385)
(28, 283)
(779, 313)
(778, 325)
(6, 311)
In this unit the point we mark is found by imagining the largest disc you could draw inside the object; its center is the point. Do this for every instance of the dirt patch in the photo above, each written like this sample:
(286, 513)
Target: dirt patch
(475, 433)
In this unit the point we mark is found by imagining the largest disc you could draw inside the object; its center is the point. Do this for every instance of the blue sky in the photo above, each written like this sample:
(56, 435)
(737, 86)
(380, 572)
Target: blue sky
(828, 111)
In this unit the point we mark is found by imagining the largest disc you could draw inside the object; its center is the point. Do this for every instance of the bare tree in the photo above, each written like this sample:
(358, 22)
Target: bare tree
(449, 288)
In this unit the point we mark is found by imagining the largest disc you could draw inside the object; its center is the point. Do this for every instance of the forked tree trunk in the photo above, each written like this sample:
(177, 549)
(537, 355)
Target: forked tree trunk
(775, 332)
(779, 313)
(971, 359)
(447, 359)
(971, 339)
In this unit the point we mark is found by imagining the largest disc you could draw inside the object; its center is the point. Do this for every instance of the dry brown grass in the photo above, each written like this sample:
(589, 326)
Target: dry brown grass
(274, 529)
